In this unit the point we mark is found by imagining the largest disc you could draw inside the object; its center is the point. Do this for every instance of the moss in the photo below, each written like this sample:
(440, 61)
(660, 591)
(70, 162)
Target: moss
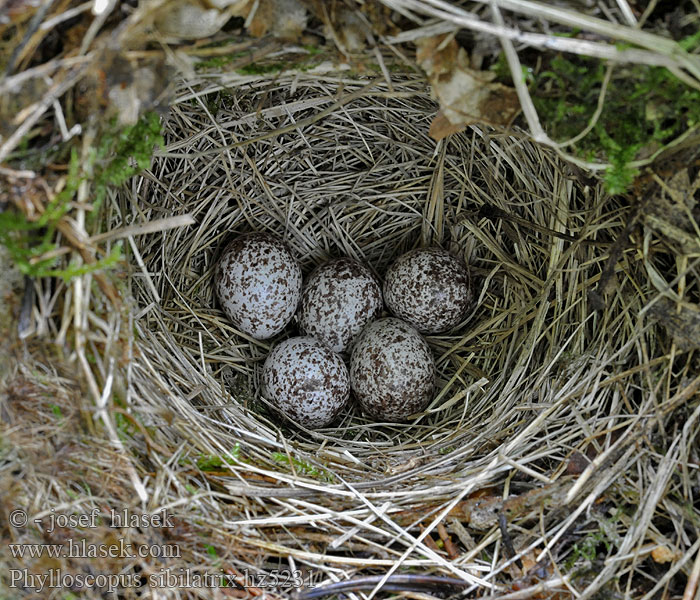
(277, 67)
(312, 50)
(302, 466)
(217, 62)
(121, 153)
(645, 108)
(56, 410)
(262, 69)
(211, 462)
(26, 240)
(125, 428)
(586, 550)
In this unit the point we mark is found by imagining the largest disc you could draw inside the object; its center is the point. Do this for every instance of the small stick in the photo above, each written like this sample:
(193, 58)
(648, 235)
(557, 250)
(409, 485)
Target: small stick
(491, 212)
(394, 583)
(24, 323)
(507, 540)
(144, 228)
(692, 585)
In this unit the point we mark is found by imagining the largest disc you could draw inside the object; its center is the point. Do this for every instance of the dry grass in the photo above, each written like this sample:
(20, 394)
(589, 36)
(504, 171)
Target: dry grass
(558, 459)
(534, 381)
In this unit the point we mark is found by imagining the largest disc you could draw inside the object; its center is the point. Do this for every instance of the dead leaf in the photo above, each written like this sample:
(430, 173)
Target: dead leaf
(190, 19)
(292, 19)
(429, 541)
(124, 86)
(663, 554)
(450, 547)
(466, 96)
(434, 58)
(262, 19)
(441, 127)
(345, 28)
(529, 563)
(577, 464)
(683, 325)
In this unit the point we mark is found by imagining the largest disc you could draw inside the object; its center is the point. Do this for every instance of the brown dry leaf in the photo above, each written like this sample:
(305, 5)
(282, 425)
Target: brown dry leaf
(577, 464)
(344, 26)
(284, 19)
(194, 19)
(529, 563)
(663, 554)
(380, 16)
(262, 20)
(434, 58)
(430, 542)
(683, 325)
(441, 127)
(450, 547)
(466, 96)
(127, 87)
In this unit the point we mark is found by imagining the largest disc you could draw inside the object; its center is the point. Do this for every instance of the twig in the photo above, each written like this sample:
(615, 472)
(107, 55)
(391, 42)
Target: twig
(508, 541)
(598, 111)
(144, 228)
(55, 92)
(491, 212)
(393, 583)
(14, 174)
(660, 51)
(526, 102)
(28, 34)
(692, 585)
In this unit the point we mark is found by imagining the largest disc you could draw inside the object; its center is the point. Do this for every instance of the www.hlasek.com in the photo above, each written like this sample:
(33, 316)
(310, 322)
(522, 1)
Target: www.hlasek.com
(164, 578)
(84, 549)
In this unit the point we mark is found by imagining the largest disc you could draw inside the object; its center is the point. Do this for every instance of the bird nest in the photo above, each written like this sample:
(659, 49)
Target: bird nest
(557, 422)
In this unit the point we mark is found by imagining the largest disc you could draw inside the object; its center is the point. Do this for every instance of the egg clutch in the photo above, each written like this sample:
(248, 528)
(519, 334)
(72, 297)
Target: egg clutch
(339, 309)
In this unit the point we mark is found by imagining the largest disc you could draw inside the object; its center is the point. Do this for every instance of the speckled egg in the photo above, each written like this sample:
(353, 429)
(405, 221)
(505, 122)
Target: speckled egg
(429, 288)
(392, 372)
(258, 283)
(338, 299)
(306, 381)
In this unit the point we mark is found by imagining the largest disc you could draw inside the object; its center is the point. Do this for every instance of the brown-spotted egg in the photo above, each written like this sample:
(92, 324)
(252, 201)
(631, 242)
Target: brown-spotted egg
(337, 300)
(392, 371)
(306, 381)
(258, 283)
(429, 288)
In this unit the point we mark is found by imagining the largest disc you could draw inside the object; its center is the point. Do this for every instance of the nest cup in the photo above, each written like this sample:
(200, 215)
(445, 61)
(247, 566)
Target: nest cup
(365, 181)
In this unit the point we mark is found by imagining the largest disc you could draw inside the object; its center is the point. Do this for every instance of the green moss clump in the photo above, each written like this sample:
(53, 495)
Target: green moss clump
(217, 62)
(212, 462)
(302, 466)
(645, 107)
(300, 62)
(277, 67)
(28, 241)
(120, 154)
